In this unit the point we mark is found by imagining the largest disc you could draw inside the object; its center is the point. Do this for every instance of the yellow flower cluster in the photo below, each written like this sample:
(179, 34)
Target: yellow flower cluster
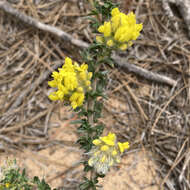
(5, 186)
(120, 31)
(106, 153)
(72, 81)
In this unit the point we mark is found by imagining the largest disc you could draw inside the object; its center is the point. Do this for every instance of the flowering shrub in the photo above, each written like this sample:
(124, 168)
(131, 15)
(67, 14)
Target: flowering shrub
(77, 85)
(74, 83)
(81, 86)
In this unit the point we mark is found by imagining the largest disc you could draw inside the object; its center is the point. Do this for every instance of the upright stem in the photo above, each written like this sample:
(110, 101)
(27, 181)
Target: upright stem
(91, 101)
(91, 104)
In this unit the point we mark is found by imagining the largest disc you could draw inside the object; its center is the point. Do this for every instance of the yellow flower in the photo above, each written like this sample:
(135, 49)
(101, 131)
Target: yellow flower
(123, 146)
(120, 31)
(72, 82)
(109, 139)
(106, 152)
(7, 185)
(96, 142)
(110, 43)
(99, 39)
(104, 148)
(106, 29)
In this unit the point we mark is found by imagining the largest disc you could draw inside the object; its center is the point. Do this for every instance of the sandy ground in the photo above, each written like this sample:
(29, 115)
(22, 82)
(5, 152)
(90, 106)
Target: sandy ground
(136, 172)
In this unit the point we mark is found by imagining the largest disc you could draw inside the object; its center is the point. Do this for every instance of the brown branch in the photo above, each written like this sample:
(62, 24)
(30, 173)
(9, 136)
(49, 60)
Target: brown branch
(23, 124)
(143, 72)
(33, 22)
(143, 115)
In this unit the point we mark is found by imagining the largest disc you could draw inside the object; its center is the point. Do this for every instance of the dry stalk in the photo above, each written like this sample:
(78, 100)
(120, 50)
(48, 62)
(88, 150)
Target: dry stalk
(23, 124)
(143, 115)
(143, 72)
(47, 28)
(169, 101)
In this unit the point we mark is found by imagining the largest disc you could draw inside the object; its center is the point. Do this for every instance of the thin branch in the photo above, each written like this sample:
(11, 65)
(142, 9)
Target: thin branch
(185, 165)
(144, 116)
(34, 85)
(23, 124)
(184, 8)
(33, 22)
(67, 37)
(164, 108)
(143, 72)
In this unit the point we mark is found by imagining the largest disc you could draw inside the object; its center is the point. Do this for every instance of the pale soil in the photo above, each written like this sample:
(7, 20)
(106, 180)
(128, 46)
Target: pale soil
(136, 172)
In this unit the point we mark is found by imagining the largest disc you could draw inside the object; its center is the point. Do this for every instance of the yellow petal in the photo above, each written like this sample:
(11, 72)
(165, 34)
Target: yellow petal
(107, 29)
(123, 146)
(96, 142)
(52, 83)
(115, 11)
(114, 153)
(80, 89)
(87, 83)
(123, 47)
(90, 162)
(99, 39)
(126, 145)
(111, 136)
(103, 159)
(104, 148)
(68, 61)
(101, 29)
(74, 105)
(53, 96)
(89, 75)
(110, 43)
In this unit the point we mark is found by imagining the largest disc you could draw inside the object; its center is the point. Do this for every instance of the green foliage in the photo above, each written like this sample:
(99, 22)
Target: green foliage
(89, 184)
(85, 143)
(104, 8)
(41, 185)
(87, 168)
(14, 179)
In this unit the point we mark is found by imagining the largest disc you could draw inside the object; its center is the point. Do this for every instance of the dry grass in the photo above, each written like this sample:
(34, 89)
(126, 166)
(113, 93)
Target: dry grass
(152, 116)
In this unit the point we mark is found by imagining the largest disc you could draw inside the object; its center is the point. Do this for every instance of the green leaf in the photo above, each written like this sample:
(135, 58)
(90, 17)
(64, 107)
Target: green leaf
(41, 185)
(87, 168)
(85, 142)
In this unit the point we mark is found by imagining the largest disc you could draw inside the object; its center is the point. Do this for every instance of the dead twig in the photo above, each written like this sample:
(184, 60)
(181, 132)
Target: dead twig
(144, 116)
(143, 72)
(23, 124)
(185, 165)
(168, 102)
(41, 78)
(184, 8)
(34, 22)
